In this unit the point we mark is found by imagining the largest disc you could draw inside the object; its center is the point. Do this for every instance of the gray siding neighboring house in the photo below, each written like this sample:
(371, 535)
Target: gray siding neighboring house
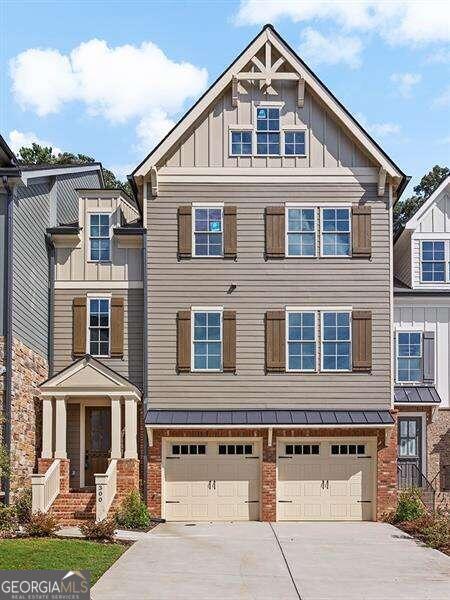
(2, 256)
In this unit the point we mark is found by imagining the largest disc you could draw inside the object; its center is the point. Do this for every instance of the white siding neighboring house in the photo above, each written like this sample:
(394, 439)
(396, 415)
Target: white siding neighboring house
(422, 330)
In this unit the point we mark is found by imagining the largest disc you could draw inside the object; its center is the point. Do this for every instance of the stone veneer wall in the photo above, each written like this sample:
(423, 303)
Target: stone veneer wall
(386, 463)
(29, 370)
(438, 441)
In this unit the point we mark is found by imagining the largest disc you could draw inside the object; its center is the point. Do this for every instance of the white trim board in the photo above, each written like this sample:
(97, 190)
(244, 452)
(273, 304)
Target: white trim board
(97, 285)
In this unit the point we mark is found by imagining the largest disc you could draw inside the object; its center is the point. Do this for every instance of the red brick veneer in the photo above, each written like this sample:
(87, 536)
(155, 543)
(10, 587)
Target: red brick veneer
(386, 463)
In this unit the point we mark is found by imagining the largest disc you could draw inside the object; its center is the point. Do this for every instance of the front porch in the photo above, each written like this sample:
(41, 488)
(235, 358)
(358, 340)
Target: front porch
(89, 439)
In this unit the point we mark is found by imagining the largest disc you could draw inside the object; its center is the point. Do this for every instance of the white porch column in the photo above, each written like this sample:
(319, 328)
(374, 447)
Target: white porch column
(47, 428)
(61, 428)
(130, 428)
(115, 427)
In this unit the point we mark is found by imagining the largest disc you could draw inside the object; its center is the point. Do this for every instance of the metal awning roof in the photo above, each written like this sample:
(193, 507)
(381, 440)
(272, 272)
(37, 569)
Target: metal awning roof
(416, 394)
(268, 418)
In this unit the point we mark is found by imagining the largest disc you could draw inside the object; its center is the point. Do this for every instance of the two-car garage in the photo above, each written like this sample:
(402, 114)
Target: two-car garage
(221, 479)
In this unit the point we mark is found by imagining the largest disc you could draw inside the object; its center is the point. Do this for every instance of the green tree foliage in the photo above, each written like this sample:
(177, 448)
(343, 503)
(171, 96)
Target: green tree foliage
(43, 155)
(405, 209)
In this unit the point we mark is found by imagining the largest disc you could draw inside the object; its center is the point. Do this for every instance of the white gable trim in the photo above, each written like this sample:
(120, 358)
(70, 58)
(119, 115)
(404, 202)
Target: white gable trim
(421, 213)
(267, 34)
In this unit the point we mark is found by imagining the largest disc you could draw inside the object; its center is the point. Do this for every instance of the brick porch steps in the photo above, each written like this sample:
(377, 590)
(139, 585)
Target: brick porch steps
(74, 507)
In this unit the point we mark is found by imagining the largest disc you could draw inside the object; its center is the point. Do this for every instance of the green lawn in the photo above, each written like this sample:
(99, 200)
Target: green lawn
(50, 553)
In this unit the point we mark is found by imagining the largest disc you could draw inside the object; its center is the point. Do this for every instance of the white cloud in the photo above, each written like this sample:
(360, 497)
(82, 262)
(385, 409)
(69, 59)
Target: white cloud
(439, 56)
(118, 83)
(153, 128)
(18, 139)
(379, 130)
(444, 98)
(405, 82)
(397, 21)
(318, 49)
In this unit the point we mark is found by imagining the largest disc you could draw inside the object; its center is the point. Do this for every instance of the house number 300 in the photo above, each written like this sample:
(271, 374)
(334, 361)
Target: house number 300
(100, 493)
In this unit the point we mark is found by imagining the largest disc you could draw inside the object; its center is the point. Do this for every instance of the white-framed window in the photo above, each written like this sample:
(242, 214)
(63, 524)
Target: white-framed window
(235, 449)
(191, 449)
(335, 232)
(99, 326)
(295, 142)
(434, 266)
(336, 341)
(409, 356)
(206, 340)
(348, 449)
(241, 142)
(268, 131)
(301, 341)
(99, 237)
(304, 449)
(300, 231)
(207, 231)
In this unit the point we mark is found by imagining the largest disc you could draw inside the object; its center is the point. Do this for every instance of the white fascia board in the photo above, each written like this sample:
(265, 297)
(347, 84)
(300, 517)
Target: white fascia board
(416, 219)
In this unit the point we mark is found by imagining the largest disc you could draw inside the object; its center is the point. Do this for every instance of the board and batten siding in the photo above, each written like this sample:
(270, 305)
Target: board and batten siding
(263, 286)
(130, 366)
(420, 314)
(74, 264)
(30, 267)
(207, 143)
(67, 197)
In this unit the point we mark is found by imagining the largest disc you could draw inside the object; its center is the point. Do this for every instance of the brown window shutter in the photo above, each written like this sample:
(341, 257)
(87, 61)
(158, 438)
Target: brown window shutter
(230, 232)
(275, 242)
(361, 231)
(362, 340)
(117, 327)
(184, 341)
(184, 232)
(275, 341)
(79, 309)
(229, 341)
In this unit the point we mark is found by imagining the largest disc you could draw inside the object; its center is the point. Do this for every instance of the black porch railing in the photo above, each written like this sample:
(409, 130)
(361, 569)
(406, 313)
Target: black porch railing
(409, 475)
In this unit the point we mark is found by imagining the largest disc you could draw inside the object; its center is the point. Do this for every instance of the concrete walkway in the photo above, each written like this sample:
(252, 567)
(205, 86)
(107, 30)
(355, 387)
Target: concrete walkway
(282, 561)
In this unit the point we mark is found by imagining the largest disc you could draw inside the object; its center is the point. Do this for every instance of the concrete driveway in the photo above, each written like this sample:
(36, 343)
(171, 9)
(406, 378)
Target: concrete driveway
(282, 561)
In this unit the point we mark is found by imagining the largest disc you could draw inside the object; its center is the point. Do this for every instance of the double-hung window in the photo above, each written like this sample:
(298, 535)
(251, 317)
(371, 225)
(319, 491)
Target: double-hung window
(301, 341)
(208, 231)
(336, 341)
(207, 340)
(409, 356)
(433, 262)
(241, 143)
(267, 131)
(99, 326)
(99, 237)
(301, 232)
(295, 143)
(335, 231)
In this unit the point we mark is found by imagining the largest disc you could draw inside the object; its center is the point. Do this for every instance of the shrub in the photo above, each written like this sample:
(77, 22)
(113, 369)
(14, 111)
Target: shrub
(410, 505)
(22, 506)
(41, 525)
(436, 533)
(133, 513)
(8, 522)
(103, 530)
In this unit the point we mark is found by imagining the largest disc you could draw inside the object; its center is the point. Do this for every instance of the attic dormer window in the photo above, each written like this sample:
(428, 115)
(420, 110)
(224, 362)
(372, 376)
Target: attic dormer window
(267, 131)
(433, 262)
(99, 238)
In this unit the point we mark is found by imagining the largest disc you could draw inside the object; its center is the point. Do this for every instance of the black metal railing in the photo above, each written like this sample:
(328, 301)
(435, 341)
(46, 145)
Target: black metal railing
(410, 476)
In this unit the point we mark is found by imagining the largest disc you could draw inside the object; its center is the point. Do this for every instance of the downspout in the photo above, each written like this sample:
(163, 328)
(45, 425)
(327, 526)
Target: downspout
(8, 358)
(51, 300)
(145, 346)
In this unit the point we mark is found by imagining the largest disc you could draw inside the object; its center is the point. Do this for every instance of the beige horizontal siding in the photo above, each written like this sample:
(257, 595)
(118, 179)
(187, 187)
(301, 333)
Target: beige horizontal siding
(130, 366)
(261, 286)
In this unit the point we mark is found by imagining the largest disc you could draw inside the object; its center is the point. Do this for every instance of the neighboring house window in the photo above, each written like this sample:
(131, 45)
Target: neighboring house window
(99, 237)
(99, 326)
(409, 356)
(295, 143)
(207, 341)
(301, 341)
(335, 231)
(241, 143)
(433, 262)
(336, 341)
(267, 131)
(301, 232)
(208, 231)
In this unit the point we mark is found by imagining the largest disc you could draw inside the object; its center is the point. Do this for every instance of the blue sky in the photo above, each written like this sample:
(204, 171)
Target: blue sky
(108, 78)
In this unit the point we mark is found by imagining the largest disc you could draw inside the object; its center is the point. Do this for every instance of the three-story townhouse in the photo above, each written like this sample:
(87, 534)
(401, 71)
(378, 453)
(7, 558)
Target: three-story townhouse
(422, 342)
(269, 302)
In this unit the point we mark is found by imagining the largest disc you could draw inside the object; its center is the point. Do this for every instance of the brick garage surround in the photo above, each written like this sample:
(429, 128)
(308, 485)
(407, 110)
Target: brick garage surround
(386, 462)
(127, 476)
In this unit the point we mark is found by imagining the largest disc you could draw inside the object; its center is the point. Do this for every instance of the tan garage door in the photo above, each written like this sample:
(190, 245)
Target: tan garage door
(211, 480)
(325, 480)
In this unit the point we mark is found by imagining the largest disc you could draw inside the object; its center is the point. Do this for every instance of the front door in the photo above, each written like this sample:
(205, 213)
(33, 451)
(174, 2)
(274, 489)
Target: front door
(98, 441)
(410, 450)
